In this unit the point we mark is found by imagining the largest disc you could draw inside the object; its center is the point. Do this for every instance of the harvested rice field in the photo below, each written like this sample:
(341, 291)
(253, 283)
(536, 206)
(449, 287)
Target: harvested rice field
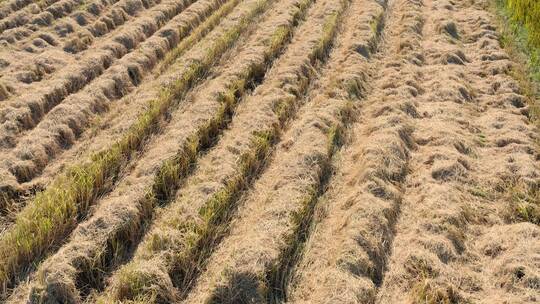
(266, 151)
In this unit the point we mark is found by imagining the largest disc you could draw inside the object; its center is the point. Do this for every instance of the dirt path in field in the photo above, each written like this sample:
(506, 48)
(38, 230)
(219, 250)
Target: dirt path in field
(303, 151)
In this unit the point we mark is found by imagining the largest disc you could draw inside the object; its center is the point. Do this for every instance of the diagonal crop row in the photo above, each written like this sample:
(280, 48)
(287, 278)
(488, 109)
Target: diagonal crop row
(9, 6)
(346, 255)
(106, 24)
(24, 112)
(130, 69)
(54, 10)
(350, 77)
(28, 160)
(38, 98)
(250, 265)
(111, 13)
(155, 14)
(167, 261)
(178, 235)
(191, 131)
(198, 32)
(55, 212)
(22, 16)
(46, 53)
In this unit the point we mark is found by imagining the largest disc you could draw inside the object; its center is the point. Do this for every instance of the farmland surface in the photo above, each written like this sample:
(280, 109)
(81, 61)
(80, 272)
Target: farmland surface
(264, 151)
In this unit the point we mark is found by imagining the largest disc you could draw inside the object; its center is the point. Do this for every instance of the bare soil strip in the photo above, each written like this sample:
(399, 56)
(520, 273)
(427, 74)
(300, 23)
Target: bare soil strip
(253, 261)
(54, 212)
(454, 243)
(116, 226)
(66, 123)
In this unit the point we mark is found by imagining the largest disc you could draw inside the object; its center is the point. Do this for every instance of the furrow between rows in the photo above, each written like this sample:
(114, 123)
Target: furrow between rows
(55, 212)
(116, 226)
(66, 123)
(254, 260)
(167, 262)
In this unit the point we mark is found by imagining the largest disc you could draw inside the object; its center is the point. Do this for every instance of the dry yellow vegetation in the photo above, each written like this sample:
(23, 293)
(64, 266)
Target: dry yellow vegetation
(267, 151)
